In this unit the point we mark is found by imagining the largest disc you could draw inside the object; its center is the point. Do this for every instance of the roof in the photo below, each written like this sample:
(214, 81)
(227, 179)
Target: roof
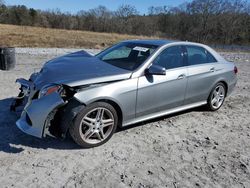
(157, 42)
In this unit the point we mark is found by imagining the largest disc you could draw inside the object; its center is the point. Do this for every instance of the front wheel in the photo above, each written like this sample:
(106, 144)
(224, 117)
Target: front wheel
(216, 97)
(94, 125)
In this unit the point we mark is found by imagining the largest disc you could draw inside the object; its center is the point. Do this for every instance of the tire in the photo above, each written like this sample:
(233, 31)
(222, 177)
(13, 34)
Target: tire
(216, 97)
(7, 58)
(94, 125)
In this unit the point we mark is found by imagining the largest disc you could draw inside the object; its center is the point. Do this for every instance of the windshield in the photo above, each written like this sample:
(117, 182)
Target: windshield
(127, 55)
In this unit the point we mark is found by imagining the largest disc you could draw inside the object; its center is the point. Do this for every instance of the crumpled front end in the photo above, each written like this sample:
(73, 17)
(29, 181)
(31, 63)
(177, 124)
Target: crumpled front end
(36, 111)
(49, 95)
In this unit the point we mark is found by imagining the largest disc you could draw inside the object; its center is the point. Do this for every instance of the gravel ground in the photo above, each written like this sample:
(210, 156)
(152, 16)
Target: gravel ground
(51, 51)
(195, 148)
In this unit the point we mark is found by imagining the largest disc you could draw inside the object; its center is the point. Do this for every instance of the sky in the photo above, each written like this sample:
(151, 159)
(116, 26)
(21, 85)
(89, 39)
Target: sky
(73, 6)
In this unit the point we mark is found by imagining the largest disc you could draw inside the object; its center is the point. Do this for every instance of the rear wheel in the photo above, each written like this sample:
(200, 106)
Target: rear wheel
(216, 97)
(94, 125)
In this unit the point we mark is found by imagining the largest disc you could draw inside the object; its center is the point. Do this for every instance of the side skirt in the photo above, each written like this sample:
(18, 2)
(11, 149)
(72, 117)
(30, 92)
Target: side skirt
(163, 113)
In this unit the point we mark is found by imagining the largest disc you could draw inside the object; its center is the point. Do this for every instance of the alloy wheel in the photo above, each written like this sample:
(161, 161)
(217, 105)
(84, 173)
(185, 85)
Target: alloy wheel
(96, 125)
(218, 97)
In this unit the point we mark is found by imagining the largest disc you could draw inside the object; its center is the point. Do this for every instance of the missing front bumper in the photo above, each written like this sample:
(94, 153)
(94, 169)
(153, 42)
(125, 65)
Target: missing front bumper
(25, 89)
(35, 113)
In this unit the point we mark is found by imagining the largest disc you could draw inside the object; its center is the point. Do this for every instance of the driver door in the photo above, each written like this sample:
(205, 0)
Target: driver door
(158, 93)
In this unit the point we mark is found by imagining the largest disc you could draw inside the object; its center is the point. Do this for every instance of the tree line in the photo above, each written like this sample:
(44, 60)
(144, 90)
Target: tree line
(206, 21)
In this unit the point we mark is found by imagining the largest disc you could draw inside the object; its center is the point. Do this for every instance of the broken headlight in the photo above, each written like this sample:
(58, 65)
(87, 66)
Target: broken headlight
(49, 89)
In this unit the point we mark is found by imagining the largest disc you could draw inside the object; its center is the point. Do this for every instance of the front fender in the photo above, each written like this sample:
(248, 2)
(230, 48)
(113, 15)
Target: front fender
(123, 93)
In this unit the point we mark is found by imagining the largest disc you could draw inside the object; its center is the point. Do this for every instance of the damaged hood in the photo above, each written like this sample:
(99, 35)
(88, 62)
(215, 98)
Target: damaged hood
(76, 69)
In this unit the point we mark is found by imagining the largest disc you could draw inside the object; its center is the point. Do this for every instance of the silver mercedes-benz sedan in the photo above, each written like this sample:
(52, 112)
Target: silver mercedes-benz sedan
(133, 81)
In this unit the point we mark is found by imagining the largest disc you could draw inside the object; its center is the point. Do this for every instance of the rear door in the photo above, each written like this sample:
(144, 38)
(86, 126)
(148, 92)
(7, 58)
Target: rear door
(158, 93)
(202, 73)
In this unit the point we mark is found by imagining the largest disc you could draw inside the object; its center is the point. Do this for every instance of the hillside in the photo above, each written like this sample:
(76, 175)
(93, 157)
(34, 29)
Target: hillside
(26, 36)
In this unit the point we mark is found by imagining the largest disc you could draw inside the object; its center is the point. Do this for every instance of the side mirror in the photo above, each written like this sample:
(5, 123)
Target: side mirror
(156, 70)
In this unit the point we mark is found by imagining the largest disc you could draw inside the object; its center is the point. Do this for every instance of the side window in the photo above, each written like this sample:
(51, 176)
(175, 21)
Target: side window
(198, 55)
(210, 57)
(170, 58)
(120, 53)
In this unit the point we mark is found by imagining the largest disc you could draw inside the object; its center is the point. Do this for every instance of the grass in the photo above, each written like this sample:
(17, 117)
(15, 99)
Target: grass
(25, 36)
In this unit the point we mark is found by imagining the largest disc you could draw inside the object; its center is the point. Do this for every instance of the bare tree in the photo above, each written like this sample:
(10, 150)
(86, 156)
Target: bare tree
(157, 10)
(2, 2)
(125, 11)
(203, 10)
(208, 21)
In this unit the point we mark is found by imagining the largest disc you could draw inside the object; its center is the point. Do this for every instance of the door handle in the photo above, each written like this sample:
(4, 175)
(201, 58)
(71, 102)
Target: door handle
(212, 69)
(181, 77)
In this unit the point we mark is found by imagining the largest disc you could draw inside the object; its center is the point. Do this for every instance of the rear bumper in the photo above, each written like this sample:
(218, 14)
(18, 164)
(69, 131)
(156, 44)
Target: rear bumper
(36, 112)
(231, 86)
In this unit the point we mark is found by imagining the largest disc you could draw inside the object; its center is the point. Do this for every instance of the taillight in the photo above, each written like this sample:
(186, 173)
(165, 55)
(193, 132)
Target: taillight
(235, 70)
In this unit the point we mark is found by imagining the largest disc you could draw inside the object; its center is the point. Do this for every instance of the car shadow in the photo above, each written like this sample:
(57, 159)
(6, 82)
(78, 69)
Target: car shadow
(197, 109)
(12, 140)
